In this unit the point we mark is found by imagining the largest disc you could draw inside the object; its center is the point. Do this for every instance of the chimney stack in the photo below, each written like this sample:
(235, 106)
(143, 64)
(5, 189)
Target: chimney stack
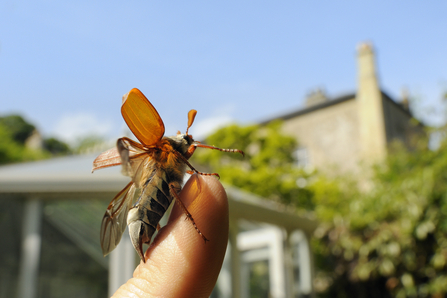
(370, 106)
(405, 101)
(316, 97)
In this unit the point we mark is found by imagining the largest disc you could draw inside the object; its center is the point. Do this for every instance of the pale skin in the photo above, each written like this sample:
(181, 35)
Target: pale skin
(179, 263)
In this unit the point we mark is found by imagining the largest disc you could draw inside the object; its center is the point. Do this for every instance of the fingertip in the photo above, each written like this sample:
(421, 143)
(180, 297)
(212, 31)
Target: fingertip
(206, 200)
(202, 196)
(178, 262)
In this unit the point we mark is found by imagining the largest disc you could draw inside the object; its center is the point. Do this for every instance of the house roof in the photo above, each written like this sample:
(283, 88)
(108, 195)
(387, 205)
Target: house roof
(330, 102)
(62, 174)
(306, 110)
(70, 177)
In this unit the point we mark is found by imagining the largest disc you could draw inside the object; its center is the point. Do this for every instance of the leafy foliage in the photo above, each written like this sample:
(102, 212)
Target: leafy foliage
(268, 168)
(385, 236)
(390, 240)
(89, 143)
(18, 128)
(56, 147)
(14, 132)
(13, 151)
(10, 150)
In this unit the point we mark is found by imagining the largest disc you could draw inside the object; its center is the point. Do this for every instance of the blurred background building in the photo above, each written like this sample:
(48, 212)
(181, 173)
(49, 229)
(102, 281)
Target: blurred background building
(340, 133)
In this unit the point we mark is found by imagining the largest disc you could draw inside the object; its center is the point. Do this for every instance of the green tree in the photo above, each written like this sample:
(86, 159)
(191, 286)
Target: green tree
(14, 151)
(10, 150)
(89, 143)
(381, 237)
(19, 129)
(268, 168)
(56, 147)
(14, 131)
(391, 240)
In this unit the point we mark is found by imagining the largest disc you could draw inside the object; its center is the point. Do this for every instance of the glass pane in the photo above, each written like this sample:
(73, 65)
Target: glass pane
(11, 213)
(259, 279)
(70, 262)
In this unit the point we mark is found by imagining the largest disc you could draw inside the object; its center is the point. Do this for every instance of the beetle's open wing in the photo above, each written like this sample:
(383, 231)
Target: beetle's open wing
(142, 118)
(137, 164)
(112, 156)
(114, 221)
(106, 159)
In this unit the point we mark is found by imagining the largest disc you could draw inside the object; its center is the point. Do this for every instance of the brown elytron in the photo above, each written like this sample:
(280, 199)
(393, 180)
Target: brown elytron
(156, 166)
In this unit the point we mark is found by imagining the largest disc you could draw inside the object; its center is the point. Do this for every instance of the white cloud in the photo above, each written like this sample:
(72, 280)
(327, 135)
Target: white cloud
(71, 127)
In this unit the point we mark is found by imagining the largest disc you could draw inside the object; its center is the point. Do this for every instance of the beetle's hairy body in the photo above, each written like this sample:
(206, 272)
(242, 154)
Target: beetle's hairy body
(166, 176)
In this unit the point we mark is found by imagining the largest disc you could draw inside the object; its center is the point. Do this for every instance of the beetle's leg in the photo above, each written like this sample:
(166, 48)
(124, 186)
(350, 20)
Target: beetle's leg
(190, 151)
(188, 215)
(179, 155)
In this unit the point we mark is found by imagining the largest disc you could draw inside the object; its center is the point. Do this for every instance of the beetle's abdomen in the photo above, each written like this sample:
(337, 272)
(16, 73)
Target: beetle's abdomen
(150, 207)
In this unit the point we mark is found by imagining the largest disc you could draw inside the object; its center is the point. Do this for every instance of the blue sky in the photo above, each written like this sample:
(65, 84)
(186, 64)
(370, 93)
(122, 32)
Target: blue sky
(65, 65)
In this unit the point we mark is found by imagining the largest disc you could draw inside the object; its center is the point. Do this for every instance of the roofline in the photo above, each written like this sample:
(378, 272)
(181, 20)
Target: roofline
(337, 100)
(244, 205)
(307, 110)
(396, 104)
(61, 185)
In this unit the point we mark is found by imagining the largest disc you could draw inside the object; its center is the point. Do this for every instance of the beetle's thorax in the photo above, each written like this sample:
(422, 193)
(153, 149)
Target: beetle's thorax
(180, 142)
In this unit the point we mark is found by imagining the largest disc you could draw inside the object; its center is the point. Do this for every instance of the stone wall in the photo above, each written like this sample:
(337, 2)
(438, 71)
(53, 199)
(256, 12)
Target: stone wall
(330, 135)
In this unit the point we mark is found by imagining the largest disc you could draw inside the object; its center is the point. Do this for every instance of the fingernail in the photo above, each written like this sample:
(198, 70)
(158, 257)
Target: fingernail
(193, 186)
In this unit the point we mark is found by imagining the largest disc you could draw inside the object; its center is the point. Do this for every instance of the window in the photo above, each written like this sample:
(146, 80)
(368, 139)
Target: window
(302, 157)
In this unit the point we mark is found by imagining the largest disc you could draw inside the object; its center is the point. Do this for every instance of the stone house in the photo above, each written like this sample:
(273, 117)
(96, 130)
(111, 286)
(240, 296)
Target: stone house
(343, 132)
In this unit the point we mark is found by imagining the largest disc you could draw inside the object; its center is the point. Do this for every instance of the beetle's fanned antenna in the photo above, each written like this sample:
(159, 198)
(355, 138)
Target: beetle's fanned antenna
(191, 116)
